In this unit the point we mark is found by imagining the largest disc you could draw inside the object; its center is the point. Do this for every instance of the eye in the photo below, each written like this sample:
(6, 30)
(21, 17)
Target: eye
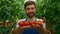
(28, 8)
(32, 8)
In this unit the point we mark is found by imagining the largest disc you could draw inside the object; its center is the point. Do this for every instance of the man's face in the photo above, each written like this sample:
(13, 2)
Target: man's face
(30, 10)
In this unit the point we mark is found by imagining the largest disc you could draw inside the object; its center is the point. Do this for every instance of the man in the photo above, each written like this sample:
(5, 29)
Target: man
(30, 9)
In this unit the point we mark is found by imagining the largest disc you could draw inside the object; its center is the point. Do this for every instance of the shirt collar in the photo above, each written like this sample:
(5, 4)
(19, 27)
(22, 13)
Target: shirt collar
(34, 19)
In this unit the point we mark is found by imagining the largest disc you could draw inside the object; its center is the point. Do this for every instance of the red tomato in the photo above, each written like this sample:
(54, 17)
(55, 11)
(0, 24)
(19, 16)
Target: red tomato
(26, 23)
(21, 24)
(31, 23)
(39, 22)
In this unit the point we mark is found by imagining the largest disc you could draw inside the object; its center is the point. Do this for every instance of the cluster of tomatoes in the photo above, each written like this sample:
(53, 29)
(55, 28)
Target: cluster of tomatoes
(22, 23)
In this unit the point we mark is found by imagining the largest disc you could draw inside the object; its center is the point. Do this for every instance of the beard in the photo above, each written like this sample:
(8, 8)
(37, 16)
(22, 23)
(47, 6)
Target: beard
(31, 14)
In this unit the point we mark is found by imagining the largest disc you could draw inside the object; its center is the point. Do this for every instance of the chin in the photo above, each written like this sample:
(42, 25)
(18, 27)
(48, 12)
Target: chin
(30, 16)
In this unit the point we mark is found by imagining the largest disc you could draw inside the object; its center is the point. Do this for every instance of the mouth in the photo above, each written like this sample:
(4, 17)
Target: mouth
(30, 14)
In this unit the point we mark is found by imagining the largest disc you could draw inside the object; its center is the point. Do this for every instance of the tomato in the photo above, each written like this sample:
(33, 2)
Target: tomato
(34, 25)
(31, 23)
(39, 22)
(21, 24)
(26, 23)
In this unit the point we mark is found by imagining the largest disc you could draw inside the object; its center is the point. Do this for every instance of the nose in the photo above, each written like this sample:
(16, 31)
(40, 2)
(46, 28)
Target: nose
(31, 10)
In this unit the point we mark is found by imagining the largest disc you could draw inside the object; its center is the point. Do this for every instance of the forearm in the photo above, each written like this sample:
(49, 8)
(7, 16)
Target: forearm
(18, 30)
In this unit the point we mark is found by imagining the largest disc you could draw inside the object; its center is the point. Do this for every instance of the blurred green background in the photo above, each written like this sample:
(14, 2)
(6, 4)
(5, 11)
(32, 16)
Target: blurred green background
(13, 10)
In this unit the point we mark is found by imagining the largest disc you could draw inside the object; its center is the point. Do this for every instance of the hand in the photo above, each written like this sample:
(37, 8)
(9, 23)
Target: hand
(36, 25)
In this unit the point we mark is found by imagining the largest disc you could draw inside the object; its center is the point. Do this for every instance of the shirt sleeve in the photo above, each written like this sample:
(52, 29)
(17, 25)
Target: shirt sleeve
(17, 23)
(44, 25)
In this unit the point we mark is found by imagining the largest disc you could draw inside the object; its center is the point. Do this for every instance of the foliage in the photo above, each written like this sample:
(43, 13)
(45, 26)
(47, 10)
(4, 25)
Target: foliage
(51, 11)
(13, 10)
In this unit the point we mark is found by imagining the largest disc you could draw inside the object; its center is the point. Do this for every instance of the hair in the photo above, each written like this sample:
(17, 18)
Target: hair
(29, 3)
